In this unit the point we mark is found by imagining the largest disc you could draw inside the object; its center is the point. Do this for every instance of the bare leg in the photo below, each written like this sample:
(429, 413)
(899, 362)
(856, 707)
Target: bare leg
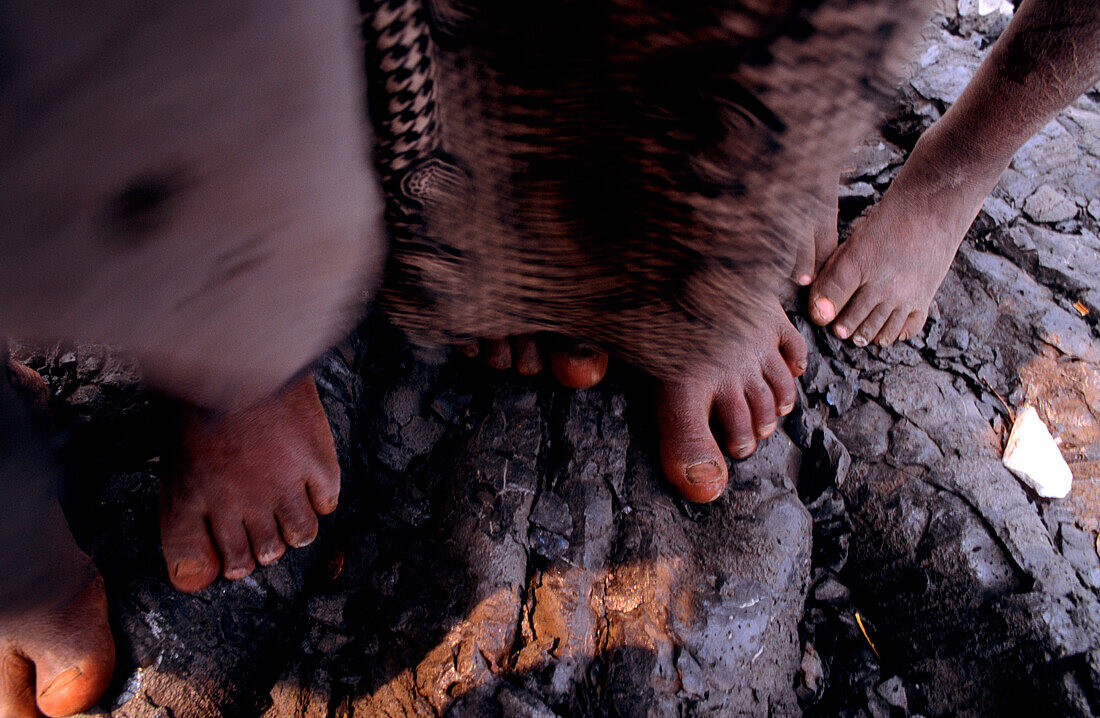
(878, 285)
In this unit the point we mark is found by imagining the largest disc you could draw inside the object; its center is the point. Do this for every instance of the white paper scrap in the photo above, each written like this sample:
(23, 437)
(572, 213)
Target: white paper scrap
(1033, 456)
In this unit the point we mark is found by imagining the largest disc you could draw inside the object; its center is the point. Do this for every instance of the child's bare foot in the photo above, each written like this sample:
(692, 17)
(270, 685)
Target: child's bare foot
(744, 395)
(575, 365)
(250, 483)
(878, 284)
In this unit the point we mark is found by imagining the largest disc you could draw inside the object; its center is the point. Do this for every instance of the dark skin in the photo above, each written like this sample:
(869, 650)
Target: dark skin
(878, 285)
(911, 236)
(250, 483)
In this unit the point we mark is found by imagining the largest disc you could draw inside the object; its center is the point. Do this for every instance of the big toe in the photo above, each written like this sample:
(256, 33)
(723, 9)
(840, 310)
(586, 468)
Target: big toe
(578, 366)
(833, 287)
(690, 456)
(76, 688)
(189, 554)
(71, 676)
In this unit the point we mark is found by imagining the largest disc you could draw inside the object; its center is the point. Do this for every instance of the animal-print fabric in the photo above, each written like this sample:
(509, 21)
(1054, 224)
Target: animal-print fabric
(635, 173)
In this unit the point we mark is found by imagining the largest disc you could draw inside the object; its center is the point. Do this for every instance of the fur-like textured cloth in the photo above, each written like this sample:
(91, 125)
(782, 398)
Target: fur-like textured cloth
(630, 172)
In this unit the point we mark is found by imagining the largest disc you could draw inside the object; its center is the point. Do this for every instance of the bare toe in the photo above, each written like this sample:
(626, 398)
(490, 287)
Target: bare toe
(232, 541)
(497, 353)
(780, 381)
(690, 456)
(188, 549)
(297, 523)
(758, 395)
(792, 347)
(263, 535)
(578, 366)
(736, 421)
(914, 323)
(525, 351)
(854, 312)
(258, 475)
(891, 329)
(869, 328)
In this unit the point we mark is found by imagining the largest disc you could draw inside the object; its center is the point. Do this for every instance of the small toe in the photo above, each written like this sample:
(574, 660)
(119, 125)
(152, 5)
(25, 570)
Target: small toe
(297, 523)
(869, 328)
(758, 395)
(497, 353)
(891, 329)
(779, 378)
(793, 348)
(468, 348)
(525, 351)
(854, 312)
(578, 366)
(323, 487)
(914, 324)
(690, 456)
(734, 417)
(263, 534)
(825, 238)
(232, 540)
(803, 271)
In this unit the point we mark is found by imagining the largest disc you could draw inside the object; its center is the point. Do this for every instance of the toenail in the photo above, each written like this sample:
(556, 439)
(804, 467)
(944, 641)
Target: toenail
(805, 279)
(786, 409)
(704, 472)
(841, 331)
(825, 309)
(236, 573)
(859, 341)
(743, 450)
(269, 556)
(767, 430)
(61, 680)
(802, 364)
(189, 567)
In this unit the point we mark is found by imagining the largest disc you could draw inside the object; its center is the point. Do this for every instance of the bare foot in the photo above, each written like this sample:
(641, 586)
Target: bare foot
(744, 396)
(879, 283)
(56, 650)
(574, 364)
(250, 483)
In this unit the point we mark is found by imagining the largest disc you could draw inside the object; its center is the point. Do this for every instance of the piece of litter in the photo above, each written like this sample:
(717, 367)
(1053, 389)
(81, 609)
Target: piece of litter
(1033, 456)
(1081, 308)
(864, 632)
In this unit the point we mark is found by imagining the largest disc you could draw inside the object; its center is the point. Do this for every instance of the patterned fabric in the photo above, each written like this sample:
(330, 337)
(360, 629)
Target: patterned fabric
(630, 172)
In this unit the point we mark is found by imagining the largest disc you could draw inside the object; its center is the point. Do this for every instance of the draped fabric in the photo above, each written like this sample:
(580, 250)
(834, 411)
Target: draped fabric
(635, 173)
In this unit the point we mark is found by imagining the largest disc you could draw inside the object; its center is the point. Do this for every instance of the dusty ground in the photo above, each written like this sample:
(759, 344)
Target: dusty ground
(507, 548)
